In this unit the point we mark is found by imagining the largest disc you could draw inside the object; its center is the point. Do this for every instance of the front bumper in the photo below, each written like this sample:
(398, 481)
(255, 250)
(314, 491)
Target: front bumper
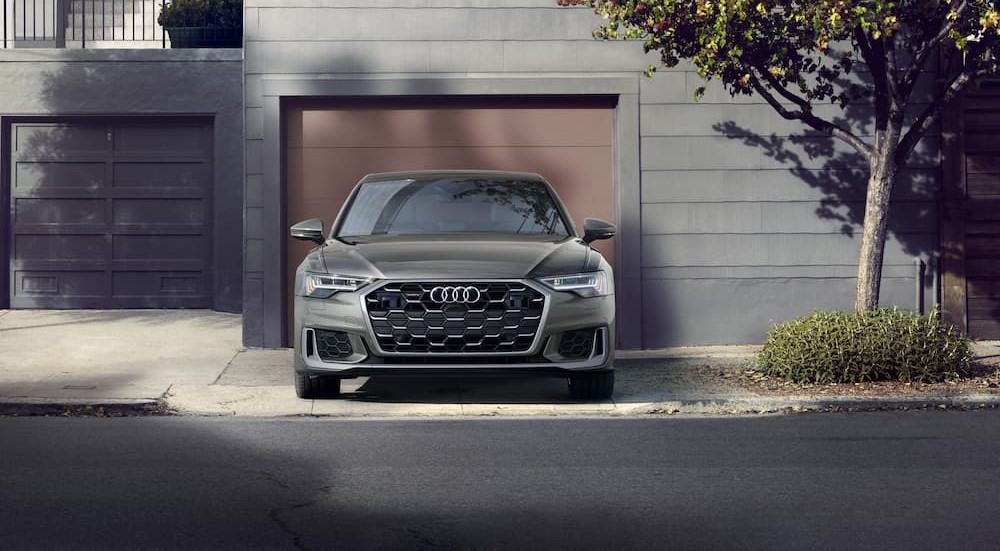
(566, 316)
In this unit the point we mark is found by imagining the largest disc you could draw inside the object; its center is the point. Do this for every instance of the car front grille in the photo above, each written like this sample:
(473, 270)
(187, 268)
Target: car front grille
(454, 318)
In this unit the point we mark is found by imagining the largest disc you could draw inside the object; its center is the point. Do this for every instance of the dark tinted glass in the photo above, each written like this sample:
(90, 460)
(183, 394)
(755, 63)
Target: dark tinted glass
(452, 206)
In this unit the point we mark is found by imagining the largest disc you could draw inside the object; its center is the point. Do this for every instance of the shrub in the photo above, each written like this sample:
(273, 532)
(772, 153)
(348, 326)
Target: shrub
(850, 347)
(202, 13)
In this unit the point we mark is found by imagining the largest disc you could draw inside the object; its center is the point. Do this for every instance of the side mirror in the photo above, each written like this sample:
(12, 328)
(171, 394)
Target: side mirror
(309, 230)
(595, 229)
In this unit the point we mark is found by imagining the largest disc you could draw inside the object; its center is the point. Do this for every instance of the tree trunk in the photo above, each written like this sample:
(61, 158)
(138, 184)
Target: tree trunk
(880, 180)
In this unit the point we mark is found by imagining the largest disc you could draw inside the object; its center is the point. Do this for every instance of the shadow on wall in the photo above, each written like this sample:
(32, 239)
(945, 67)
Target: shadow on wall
(125, 188)
(840, 174)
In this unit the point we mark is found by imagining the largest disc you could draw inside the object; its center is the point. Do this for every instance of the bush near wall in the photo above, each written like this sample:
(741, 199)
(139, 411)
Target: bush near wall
(851, 347)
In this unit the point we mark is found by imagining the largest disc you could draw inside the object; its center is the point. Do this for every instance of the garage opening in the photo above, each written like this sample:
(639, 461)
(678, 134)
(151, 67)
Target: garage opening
(110, 213)
(333, 143)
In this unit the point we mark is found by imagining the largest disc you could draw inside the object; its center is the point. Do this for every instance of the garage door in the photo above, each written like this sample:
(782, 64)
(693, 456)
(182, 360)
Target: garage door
(110, 215)
(333, 144)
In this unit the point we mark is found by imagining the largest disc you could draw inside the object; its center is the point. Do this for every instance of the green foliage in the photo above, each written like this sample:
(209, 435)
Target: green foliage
(789, 44)
(202, 13)
(850, 347)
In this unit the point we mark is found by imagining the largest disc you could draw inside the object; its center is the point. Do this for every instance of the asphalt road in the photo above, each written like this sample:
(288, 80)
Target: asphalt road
(919, 480)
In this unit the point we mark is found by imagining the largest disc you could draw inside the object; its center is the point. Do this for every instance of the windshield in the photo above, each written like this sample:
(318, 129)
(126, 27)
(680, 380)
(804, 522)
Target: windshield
(452, 205)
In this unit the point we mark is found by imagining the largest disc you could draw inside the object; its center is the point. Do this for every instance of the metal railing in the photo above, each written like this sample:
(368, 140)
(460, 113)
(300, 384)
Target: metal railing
(82, 24)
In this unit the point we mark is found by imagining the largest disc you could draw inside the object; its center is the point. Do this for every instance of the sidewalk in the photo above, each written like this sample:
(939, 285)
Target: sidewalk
(191, 362)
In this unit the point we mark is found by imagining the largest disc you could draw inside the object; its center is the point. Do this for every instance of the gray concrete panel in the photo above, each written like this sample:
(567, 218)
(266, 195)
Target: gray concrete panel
(336, 57)
(772, 249)
(254, 257)
(579, 55)
(465, 57)
(273, 225)
(253, 91)
(628, 244)
(740, 311)
(777, 185)
(732, 119)
(423, 24)
(251, 20)
(757, 152)
(680, 218)
(715, 92)
(423, 85)
(778, 217)
(254, 124)
(846, 217)
(411, 4)
(356, 57)
(253, 311)
(662, 153)
(665, 86)
(254, 226)
(836, 271)
(254, 190)
(253, 152)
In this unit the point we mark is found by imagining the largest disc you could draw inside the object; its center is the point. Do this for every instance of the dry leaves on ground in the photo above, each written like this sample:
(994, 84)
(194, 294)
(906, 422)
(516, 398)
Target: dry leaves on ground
(984, 379)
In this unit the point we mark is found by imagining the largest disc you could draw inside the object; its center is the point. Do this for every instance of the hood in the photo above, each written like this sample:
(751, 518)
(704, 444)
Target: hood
(459, 256)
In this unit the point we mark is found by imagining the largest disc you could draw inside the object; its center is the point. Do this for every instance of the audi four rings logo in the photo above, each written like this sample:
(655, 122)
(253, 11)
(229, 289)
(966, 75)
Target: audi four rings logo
(453, 295)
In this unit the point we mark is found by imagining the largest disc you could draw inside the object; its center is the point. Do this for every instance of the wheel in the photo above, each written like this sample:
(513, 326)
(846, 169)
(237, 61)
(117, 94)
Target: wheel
(592, 386)
(316, 387)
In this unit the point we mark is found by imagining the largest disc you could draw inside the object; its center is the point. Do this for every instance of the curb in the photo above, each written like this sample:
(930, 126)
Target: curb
(50, 407)
(813, 405)
(54, 407)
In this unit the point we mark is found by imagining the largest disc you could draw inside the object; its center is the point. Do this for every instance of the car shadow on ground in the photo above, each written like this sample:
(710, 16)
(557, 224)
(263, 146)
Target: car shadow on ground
(457, 389)
(636, 381)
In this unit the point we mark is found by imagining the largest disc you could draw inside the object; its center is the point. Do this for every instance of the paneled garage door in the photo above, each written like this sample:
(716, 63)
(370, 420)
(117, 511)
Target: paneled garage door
(332, 144)
(110, 215)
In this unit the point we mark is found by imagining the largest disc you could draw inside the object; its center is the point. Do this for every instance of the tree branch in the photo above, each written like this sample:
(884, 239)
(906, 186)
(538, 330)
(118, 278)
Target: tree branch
(878, 65)
(798, 100)
(890, 73)
(909, 79)
(932, 114)
(863, 43)
(805, 115)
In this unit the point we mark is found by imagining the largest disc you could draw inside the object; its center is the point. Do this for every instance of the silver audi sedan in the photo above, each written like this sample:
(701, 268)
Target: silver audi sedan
(445, 272)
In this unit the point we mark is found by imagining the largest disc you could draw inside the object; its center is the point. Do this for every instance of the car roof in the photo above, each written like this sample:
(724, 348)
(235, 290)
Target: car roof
(433, 174)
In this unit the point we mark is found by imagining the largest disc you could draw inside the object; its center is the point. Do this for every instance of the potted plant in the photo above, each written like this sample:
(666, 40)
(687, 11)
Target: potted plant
(203, 23)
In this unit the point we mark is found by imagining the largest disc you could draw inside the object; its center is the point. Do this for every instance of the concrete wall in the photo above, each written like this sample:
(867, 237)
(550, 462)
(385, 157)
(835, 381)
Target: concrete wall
(748, 220)
(129, 83)
(730, 219)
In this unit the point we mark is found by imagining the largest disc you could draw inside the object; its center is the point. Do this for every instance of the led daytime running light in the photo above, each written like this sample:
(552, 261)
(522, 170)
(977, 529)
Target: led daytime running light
(325, 285)
(587, 284)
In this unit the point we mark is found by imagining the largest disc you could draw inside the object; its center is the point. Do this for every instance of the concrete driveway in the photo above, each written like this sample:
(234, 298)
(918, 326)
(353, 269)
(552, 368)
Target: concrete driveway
(192, 362)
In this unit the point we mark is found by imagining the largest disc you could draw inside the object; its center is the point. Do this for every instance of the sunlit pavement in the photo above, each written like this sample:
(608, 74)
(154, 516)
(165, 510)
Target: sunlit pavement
(192, 362)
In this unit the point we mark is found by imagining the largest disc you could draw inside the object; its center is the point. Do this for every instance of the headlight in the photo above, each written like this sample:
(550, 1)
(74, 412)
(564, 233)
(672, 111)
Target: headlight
(592, 284)
(325, 285)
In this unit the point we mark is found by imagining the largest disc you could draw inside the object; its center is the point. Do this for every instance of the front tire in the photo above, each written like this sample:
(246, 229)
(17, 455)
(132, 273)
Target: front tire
(316, 387)
(592, 386)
